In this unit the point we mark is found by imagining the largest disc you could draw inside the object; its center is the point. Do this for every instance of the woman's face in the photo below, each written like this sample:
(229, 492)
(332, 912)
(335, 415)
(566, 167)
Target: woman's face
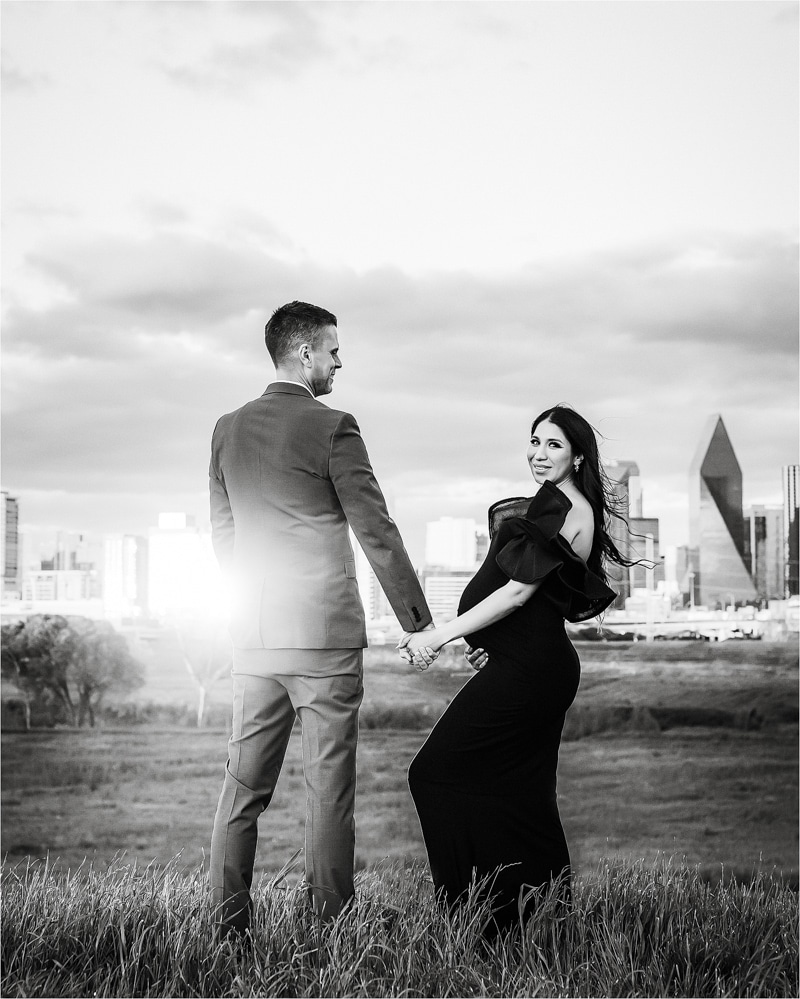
(550, 455)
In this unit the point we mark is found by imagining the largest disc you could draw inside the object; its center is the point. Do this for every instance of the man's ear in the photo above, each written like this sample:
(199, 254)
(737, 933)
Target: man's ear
(304, 353)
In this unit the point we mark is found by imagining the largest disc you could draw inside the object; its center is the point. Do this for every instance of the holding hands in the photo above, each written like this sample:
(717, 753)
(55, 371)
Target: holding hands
(421, 648)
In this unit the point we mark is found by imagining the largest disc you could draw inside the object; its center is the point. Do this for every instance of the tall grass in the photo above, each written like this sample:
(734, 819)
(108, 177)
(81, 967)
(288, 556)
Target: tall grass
(632, 930)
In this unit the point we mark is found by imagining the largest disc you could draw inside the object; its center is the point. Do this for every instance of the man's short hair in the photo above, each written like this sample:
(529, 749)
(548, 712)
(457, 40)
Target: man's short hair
(293, 324)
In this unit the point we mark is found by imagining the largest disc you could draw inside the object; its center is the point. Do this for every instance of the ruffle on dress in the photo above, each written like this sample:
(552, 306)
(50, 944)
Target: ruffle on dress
(536, 551)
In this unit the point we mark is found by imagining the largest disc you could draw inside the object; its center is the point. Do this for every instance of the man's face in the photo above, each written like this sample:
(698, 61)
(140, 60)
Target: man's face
(324, 362)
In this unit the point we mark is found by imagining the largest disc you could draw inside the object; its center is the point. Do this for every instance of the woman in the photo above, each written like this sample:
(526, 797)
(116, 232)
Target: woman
(484, 783)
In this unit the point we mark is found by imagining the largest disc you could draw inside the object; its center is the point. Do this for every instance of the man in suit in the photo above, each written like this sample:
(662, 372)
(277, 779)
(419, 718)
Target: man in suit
(288, 475)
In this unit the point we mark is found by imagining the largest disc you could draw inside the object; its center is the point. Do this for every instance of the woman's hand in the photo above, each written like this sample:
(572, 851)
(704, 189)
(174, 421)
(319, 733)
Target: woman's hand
(421, 648)
(477, 658)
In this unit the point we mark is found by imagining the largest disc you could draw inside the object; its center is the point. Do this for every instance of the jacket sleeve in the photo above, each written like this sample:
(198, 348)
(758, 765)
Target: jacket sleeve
(365, 509)
(222, 526)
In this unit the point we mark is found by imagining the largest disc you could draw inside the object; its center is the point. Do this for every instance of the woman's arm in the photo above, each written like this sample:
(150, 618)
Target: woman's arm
(493, 608)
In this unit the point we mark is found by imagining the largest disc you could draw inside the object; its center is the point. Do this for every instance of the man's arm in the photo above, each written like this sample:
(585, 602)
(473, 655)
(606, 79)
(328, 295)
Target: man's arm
(365, 509)
(222, 526)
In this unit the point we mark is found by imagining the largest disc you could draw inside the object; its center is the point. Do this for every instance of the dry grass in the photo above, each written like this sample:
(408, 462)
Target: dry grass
(722, 800)
(712, 796)
(632, 930)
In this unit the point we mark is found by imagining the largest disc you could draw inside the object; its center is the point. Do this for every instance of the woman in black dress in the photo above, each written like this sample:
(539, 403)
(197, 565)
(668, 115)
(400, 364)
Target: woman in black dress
(484, 783)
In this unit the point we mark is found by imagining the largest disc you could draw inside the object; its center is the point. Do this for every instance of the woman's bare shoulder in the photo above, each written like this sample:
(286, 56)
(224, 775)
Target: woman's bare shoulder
(578, 526)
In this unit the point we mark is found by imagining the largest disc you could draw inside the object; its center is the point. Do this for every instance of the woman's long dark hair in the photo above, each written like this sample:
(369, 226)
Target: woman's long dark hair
(593, 483)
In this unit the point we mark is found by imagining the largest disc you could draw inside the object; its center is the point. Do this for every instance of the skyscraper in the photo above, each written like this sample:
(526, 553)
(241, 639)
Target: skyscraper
(451, 542)
(182, 577)
(791, 486)
(124, 575)
(644, 544)
(9, 542)
(716, 522)
(624, 476)
(764, 549)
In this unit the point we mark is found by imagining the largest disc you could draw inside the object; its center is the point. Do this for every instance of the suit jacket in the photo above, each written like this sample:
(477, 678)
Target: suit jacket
(287, 475)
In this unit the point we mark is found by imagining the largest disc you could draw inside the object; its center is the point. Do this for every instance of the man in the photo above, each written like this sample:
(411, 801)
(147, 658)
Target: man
(287, 476)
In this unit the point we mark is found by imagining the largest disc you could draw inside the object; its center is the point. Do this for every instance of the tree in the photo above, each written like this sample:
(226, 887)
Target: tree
(206, 651)
(72, 662)
(97, 660)
(28, 660)
(14, 665)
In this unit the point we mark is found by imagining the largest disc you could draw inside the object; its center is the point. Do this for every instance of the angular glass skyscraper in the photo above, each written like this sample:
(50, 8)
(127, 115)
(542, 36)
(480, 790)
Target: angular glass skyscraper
(716, 521)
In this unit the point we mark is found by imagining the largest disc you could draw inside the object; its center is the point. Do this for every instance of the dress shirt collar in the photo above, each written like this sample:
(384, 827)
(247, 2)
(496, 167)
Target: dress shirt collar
(288, 381)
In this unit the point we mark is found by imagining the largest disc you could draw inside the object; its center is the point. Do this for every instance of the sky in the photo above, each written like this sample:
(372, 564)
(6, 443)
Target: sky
(507, 206)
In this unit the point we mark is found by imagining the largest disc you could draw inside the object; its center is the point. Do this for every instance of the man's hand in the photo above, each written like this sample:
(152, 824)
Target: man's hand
(412, 648)
(477, 658)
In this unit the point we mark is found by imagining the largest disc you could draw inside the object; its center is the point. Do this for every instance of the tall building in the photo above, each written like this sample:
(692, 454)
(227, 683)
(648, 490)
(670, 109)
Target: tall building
(764, 549)
(453, 548)
(182, 577)
(443, 589)
(644, 544)
(685, 572)
(451, 543)
(124, 576)
(9, 543)
(791, 522)
(624, 477)
(716, 521)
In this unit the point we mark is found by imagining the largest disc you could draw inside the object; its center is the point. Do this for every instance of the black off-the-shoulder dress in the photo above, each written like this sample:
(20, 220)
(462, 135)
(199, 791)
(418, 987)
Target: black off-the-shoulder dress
(484, 782)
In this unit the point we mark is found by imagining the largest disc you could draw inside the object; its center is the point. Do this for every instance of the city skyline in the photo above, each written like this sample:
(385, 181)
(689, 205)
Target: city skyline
(739, 557)
(507, 206)
(45, 538)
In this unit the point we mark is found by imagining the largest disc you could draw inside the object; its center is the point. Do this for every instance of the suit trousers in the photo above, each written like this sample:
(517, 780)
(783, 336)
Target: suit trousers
(264, 710)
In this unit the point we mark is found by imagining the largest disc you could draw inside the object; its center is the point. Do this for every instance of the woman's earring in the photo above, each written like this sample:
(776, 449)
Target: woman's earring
(576, 465)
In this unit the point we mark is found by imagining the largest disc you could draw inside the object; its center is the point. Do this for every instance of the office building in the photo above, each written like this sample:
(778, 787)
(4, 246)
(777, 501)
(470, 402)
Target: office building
(182, 577)
(443, 589)
(124, 576)
(451, 543)
(644, 544)
(716, 520)
(74, 551)
(9, 543)
(764, 549)
(61, 586)
(682, 572)
(791, 523)
(624, 477)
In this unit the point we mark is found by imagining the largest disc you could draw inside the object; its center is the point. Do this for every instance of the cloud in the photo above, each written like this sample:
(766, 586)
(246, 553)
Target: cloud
(117, 390)
(15, 80)
(288, 39)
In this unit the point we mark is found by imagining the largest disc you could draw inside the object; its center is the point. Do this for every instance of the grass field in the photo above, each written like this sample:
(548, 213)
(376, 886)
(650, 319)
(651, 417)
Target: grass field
(631, 930)
(677, 772)
(714, 795)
